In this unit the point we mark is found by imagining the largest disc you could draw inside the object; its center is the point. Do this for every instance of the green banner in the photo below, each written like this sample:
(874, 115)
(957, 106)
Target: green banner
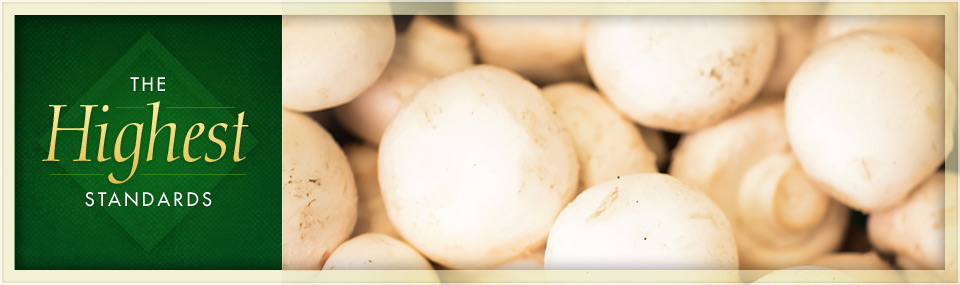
(147, 142)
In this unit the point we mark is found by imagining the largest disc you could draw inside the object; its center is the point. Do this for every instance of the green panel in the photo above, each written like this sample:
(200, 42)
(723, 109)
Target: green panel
(216, 68)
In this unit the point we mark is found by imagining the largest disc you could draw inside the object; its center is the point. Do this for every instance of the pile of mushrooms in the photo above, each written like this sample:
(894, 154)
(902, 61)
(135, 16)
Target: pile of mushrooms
(617, 142)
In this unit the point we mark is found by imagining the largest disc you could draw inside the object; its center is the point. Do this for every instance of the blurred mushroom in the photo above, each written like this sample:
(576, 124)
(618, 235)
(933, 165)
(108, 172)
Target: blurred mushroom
(913, 229)
(545, 49)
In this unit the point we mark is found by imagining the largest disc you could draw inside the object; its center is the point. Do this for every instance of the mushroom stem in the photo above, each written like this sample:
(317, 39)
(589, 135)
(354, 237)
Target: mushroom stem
(800, 205)
(784, 218)
(778, 194)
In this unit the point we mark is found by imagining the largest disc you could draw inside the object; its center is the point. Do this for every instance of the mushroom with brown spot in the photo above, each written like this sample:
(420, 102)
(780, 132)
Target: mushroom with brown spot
(316, 216)
(679, 73)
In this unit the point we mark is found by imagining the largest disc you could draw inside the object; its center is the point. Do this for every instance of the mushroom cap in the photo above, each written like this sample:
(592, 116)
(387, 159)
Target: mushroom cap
(913, 229)
(641, 221)
(865, 117)
(329, 60)
(374, 251)
(783, 219)
(925, 31)
(319, 195)
(545, 49)
(811, 274)
(679, 73)
(608, 145)
(474, 171)
(368, 115)
(371, 213)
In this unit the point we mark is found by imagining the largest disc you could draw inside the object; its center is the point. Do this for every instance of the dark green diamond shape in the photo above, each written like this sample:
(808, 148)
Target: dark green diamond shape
(185, 102)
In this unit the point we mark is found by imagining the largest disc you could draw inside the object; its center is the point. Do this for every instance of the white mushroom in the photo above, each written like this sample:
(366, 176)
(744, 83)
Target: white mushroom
(373, 251)
(608, 145)
(794, 44)
(368, 115)
(925, 31)
(319, 195)
(434, 48)
(679, 73)
(783, 219)
(642, 221)
(329, 60)
(371, 213)
(865, 117)
(474, 171)
(913, 229)
(545, 49)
